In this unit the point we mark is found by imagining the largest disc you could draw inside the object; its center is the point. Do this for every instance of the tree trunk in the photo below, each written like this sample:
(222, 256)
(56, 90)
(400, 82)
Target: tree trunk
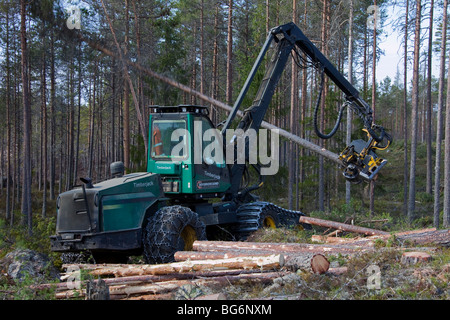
(229, 89)
(126, 100)
(8, 123)
(44, 133)
(414, 115)
(446, 217)
(215, 73)
(374, 97)
(292, 123)
(428, 104)
(77, 146)
(321, 196)
(405, 114)
(26, 175)
(70, 123)
(348, 136)
(437, 172)
(202, 47)
(52, 118)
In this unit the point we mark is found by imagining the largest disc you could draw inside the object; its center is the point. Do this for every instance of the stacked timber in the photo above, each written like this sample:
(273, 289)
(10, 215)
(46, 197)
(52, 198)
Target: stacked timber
(413, 237)
(162, 281)
(211, 264)
(295, 255)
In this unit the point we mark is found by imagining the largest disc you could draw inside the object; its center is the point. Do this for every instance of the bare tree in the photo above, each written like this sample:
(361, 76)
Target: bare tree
(8, 121)
(446, 218)
(405, 113)
(374, 97)
(428, 104)
(26, 174)
(322, 113)
(348, 136)
(414, 114)
(292, 118)
(229, 95)
(437, 172)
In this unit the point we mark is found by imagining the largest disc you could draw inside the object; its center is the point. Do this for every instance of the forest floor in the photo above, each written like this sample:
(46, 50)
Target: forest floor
(379, 273)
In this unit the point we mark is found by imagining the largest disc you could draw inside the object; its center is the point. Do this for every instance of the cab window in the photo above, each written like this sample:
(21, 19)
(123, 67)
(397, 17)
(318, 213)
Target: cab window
(169, 139)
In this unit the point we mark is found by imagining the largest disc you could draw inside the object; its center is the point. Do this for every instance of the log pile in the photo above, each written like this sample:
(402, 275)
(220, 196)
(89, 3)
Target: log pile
(163, 281)
(212, 265)
(405, 238)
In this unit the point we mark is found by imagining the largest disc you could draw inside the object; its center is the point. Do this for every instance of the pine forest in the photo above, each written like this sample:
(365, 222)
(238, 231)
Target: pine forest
(77, 79)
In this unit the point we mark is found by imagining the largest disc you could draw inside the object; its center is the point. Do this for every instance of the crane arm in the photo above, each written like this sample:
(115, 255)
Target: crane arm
(359, 158)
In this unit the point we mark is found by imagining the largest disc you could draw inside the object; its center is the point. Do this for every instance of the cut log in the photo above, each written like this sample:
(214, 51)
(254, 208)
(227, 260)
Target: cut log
(341, 226)
(415, 257)
(314, 262)
(337, 271)
(426, 236)
(206, 255)
(333, 240)
(145, 69)
(163, 296)
(145, 279)
(319, 264)
(152, 290)
(284, 248)
(214, 296)
(273, 261)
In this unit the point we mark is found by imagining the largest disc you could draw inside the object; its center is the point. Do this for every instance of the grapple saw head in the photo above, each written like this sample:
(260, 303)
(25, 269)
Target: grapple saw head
(360, 160)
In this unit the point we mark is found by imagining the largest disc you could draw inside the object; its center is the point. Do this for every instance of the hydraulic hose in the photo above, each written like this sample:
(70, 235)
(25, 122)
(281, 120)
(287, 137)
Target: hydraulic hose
(316, 112)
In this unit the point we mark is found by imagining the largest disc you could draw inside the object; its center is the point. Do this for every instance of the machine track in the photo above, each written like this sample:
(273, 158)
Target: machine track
(255, 215)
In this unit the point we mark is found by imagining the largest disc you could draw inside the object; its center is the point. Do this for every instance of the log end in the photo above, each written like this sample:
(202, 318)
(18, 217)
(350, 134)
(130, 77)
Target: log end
(319, 264)
(415, 257)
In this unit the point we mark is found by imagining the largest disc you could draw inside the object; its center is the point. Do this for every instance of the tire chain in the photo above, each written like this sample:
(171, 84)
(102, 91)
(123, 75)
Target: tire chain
(163, 234)
(249, 217)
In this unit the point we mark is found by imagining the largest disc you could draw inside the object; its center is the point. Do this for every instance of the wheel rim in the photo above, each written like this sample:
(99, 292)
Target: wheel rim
(189, 236)
(269, 222)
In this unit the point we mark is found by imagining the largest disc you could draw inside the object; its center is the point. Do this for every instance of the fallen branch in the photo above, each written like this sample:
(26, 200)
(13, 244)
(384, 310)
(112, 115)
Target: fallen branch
(292, 137)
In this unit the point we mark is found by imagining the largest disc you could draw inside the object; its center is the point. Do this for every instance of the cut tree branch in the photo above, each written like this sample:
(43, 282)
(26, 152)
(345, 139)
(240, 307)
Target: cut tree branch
(291, 137)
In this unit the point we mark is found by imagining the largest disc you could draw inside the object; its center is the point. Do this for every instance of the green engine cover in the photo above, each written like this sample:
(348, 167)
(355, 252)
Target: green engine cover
(124, 200)
(115, 204)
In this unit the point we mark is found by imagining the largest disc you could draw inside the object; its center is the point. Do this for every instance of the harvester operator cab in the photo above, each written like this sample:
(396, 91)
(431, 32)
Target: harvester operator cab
(187, 151)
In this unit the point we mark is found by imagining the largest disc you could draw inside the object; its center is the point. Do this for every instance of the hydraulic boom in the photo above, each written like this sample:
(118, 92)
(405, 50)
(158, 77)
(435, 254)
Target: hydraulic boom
(358, 159)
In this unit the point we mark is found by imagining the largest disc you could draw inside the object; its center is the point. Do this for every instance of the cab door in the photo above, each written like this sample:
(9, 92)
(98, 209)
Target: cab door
(211, 173)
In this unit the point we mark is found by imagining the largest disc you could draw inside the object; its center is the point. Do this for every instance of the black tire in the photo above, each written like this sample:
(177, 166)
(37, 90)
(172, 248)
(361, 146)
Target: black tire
(269, 219)
(171, 229)
(254, 216)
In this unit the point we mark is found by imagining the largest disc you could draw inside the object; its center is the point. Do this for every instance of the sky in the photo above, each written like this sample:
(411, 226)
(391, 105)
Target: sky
(392, 58)
(391, 44)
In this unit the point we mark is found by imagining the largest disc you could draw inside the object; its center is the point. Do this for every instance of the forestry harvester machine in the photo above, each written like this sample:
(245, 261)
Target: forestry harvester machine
(186, 195)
